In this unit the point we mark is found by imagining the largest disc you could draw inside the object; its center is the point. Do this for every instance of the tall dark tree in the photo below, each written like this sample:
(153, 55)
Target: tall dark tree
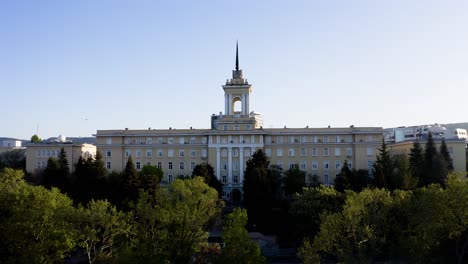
(52, 175)
(206, 171)
(416, 163)
(258, 188)
(150, 177)
(132, 181)
(342, 180)
(15, 159)
(63, 163)
(435, 165)
(294, 180)
(446, 155)
(383, 167)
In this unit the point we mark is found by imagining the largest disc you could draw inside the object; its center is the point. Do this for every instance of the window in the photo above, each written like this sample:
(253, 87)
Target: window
(224, 179)
(159, 165)
(38, 164)
(108, 165)
(108, 153)
(48, 153)
(138, 165)
(314, 152)
(291, 139)
(303, 139)
(350, 165)
(279, 139)
(38, 154)
(169, 177)
(325, 139)
(370, 151)
(181, 153)
(149, 141)
(337, 152)
(349, 152)
(203, 153)
(326, 165)
(127, 153)
(192, 165)
(235, 152)
(181, 140)
(108, 141)
(192, 140)
(246, 139)
(169, 166)
(170, 153)
(370, 165)
(138, 153)
(225, 127)
(291, 166)
(204, 140)
(236, 127)
(224, 166)
(315, 139)
(337, 139)
(236, 179)
(170, 140)
(247, 152)
(224, 152)
(325, 152)
(160, 153)
(326, 178)
(43, 153)
(193, 153)
(247, 127)
(369, 138)
(279, 152)
(268, 152)
(349, 139)
(149, 153)
(291, 152)
(303, 152)
(337, 164)
(181, 165)
(303, 165)
(160, 141)
(235, 166)
(314, 165)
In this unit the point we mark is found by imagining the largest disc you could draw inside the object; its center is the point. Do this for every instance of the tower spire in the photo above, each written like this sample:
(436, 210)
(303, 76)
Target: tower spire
(237, 55)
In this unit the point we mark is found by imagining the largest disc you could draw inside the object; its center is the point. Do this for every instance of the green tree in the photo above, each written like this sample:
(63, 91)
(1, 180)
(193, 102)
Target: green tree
(206, 171)
(63, 163)
(100, 227)
(343, 180)
(446, 155)
(239, 247)
(259, 188)
(52, 175)
(36, 139)
(294, 180)
(150, 177)
(416, 163)
(132, 181)
(401, 175)
(383, 167)
(15, 159)
(34, 222)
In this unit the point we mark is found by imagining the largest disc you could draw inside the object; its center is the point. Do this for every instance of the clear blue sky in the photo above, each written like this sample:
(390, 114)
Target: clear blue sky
(73, 67)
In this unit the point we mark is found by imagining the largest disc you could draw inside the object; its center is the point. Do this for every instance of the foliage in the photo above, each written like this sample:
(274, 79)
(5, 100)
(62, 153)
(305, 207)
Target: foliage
(206, 171)
(53, 176)
(342, 180)
(34, 222)
(416, 163)
(443, 150)
(36, 139)
(151, 177)
(100, 226)
(383, 167)
(239, 247)
(132, 182)
(294, 180)
(14, 159)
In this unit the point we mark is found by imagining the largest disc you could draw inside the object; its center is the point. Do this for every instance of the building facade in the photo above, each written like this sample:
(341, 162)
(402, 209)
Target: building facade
(233, 137)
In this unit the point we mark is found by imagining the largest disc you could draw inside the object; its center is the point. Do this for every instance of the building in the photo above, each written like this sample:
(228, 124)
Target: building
(37, 154)
(405, 133)
(233, 137)
(8, 144)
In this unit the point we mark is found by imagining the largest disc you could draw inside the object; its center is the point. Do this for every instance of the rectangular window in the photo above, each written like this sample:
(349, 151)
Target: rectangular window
(160, 165)
(192, 165)
(326, 165)
(149, 153)
(315, 139)
(370, 151)
(279, 139)
(279, 152)
(138, 153)
(291, 166)
(160, 141)
(337, 139)
(236, 179)
(108, 153)
(160, 153)
(170, 140)
(192, 140)
(369, 138)
(247, 127)
(236, 127)
(181, 165)
(181, 140)
(370, 165)
(303, 152)
(224, 179)
(337, 152)
(138, 165)
(225, 166)
(303, 139)
(204, 140)
(337, 164)
(326, 178)
(314, 152)
(169, 177)
(325, 139)
(170, 153)
(235, 152)
(247, 152)
(349, 139)
(291, 139)
(181, 153)
(127, 153)
(38, 164)
(291, 152)
(149, 141)
(108, 141)
(325, 152)
(108, 165)
(225, 127)
(169, 166)
(349, 152)
(235, 166)
(303, 165)
(224, 152)
(193, 153)
(38, 154)
(48, 153)
(314, 165)
(203, 153)
(268, 152)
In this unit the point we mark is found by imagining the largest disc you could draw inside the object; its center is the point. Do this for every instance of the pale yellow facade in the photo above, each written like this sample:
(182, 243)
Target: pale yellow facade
(37, 154)
(456, 147)
(232, 139)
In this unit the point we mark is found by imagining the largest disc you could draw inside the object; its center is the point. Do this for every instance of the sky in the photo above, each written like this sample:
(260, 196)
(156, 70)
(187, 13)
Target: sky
(74, 67)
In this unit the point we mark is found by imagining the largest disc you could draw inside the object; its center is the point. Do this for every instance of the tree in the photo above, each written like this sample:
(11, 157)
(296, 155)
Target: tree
(435, 165)
(294, 180)
(15, 159)
(342, 180)
(206, 171)
(400, 176)
(132, 181)
(446, 155)
(416, 163)
(383, 167)
(258, 188)
(35, 139)
(239, 247)
(100, 226)
(151, 176)
(34, 222)
(63, 163)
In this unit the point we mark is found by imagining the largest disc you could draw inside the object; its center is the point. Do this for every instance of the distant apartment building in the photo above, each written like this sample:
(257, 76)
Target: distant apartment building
(233, 137)
(37, 154)
(404, 133)
(8, 144)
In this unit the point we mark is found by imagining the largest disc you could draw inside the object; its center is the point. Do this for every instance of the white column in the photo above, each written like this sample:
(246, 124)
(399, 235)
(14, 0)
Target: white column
(230, 164)
(247, 103)
(241, 165)
(226, 104)
(218, 163)
(243, 104)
